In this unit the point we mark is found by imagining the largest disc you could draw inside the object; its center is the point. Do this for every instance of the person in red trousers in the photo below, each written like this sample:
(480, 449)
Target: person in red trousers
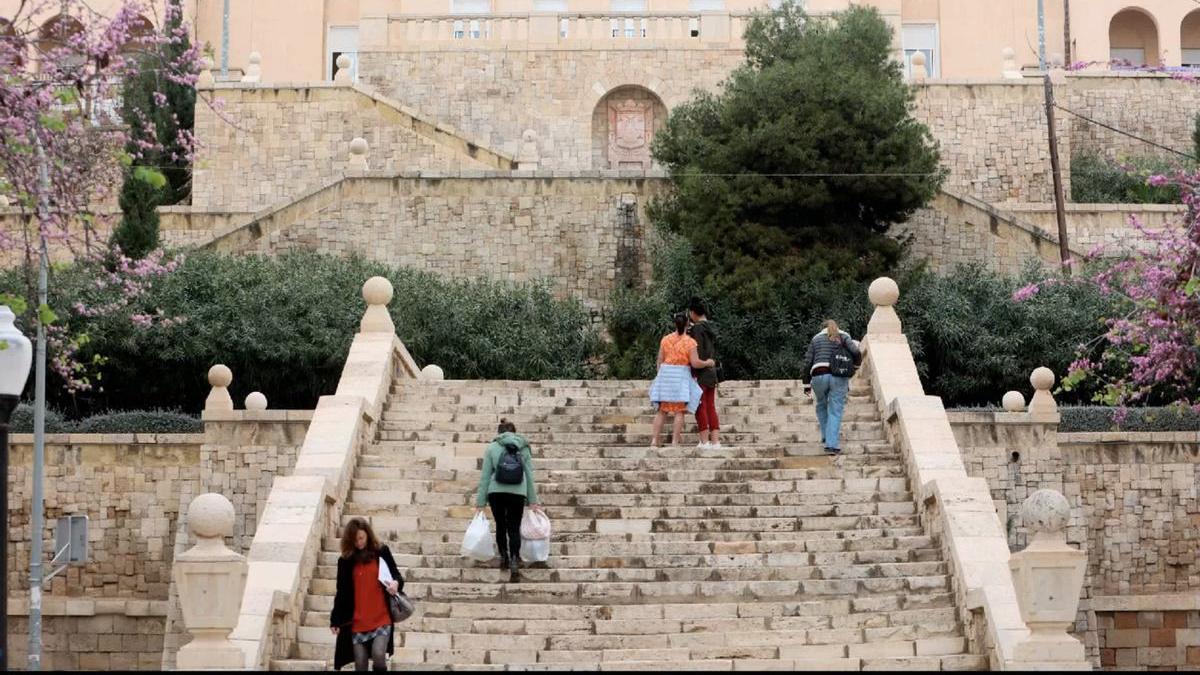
(706, 346)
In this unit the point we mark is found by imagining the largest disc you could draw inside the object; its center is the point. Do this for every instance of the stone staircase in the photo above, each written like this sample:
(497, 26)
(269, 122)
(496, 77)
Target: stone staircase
(763, 555)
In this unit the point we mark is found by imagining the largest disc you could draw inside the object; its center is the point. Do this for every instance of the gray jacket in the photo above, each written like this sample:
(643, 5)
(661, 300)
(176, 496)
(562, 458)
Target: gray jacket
(821, 350)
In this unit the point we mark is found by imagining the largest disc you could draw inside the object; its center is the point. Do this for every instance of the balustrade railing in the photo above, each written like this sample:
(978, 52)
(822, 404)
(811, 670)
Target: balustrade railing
(615, 29)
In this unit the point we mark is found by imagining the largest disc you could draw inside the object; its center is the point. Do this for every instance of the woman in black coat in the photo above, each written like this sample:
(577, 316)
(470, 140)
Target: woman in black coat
(360, 618)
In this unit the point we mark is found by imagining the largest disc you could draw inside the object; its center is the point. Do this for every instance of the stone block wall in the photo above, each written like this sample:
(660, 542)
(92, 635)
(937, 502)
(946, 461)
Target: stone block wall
(582, 231)
(1104, 225)
(90, 635)
(270, 143)
(1152, 106)
(1149, 638)
(128, 486)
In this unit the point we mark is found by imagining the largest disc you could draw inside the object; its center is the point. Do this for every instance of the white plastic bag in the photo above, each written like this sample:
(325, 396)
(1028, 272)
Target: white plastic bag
(535, 550)
(478, 543)
(535, 525)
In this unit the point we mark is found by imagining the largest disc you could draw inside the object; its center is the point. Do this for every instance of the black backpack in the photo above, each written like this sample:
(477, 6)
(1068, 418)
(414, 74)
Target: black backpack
(843, 363)
(510, 470)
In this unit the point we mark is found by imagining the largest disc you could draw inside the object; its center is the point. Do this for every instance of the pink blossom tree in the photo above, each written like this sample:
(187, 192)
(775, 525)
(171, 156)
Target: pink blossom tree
(64, 148)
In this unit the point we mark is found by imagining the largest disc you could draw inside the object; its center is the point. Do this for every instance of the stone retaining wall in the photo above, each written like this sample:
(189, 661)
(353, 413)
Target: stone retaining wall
(1149, 632)
(90, 635)
(1105, 225)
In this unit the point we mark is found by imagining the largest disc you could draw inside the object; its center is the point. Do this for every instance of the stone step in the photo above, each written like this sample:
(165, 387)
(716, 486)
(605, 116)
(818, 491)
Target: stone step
(948, 663)
(638, 592)
(391, 460)
(805, 481)
(832, 508)
(466, 497)
(899, 554)
(297, 665)
(484, 420)
(600, 450)
(811, 541)
(392, 431)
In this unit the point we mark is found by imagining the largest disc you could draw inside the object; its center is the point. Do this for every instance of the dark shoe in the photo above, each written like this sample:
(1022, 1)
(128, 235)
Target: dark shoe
(833, 451)
(514, 574)
(503, 562)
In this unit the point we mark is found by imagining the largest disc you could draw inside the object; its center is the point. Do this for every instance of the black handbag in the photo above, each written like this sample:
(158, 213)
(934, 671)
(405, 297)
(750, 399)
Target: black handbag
(400, 607)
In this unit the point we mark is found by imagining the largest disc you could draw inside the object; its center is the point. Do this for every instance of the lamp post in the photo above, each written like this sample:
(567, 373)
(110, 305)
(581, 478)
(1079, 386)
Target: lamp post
(15, 359)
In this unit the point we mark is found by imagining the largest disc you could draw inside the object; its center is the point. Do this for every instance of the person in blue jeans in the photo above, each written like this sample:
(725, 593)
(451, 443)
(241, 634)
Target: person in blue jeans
(829, 364)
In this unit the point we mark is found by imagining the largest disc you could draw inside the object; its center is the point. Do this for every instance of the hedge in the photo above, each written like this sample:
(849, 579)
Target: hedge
(121, 422)
(1099, 418)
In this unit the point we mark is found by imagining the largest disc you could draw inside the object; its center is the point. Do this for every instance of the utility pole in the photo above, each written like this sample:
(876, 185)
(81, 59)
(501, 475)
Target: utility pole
(1067, 32)
(1064, 249)
(39, 421)
(1041, 18)
(225, 41)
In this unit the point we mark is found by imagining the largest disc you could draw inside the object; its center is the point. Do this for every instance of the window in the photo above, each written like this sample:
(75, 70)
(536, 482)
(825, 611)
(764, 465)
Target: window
(550, 5)
(921, 37)
(1191, 58)
(470, 6)
(1135, 56)
(706, 5)
(342, 40)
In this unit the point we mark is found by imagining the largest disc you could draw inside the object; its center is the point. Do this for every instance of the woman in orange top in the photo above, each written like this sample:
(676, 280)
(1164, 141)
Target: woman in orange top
(360, 618)
(674, 388)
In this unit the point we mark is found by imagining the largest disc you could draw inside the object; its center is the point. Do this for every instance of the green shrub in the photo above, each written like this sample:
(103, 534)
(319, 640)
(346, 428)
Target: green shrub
(140, 422)
(1096, 180)
(284, 326)
(22, 421)
(1098, 418)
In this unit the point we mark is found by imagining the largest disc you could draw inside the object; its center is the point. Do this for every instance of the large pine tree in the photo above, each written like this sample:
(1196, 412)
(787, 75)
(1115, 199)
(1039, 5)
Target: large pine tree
(798, 166)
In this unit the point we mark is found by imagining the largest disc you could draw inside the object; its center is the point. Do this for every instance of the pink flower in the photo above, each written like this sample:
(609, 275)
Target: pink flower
(1025, 292)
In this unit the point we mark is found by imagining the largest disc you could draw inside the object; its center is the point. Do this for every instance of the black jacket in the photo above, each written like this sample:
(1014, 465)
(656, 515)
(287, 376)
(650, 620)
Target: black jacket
(343, 606)
(706, 348)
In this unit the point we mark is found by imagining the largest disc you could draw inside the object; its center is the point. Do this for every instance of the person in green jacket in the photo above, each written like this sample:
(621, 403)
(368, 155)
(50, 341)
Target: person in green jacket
(507, 486)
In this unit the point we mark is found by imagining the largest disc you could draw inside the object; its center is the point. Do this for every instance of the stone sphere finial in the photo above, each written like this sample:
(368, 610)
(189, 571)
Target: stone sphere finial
(344, 61)
(205, 77)
(342, 73)
(1008, 53)
(253, 68)
(884, 292)
(919, 71)
(1042, 378)
(433, 373)
(210, 516)
(1046, 511)
(1013, 402)
(377, 291)
(220, 375)
(256, 400)
(255, 58)
(1056, 60)
(358, 154)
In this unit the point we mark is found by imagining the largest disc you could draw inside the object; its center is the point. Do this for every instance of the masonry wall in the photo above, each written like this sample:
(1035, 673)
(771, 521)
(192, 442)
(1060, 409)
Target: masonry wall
(269, 143)
(582, 233)
(1133, 498)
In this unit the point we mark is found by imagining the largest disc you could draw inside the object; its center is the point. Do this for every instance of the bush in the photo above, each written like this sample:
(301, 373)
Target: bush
(139, 422)
(22, 421)
(1097, 418)
(122, 422)
(1096, 180)
(284, 326)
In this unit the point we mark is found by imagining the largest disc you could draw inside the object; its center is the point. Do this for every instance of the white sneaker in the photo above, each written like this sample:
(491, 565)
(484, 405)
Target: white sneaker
(714, 446)
(704, 445)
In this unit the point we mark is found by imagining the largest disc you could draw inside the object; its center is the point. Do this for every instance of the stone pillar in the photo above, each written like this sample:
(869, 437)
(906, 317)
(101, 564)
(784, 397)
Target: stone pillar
(255, 400)
(358, 155)
(884, 321)
(254, 69)
(1010, 71)
(432, 373)
(344, 64)
(219, 376)
(1013, 402)
(1043, 408)
(528, 158)
(919, 72)
(1048, 577)
(210, 579)
(205, 80)
(378, 293)
(1058, 70)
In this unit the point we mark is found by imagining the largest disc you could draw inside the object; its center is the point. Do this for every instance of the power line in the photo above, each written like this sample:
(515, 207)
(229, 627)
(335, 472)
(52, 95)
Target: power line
(1126, 133)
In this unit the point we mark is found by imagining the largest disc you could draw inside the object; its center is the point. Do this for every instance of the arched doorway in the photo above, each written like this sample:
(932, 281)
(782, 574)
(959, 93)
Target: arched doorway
(12, 47)
(623, 125)
(1133, 39)
(141, 33)
(1189, 40)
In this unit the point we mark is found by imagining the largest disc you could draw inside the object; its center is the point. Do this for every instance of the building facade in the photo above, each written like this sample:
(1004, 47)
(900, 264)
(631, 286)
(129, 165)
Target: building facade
(300, 40)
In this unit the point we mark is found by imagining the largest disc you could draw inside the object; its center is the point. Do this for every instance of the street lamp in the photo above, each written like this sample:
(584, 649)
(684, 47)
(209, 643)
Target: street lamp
(15, 358)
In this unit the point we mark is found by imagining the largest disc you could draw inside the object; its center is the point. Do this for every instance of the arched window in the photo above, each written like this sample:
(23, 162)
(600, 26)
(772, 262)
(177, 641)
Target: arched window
(140, 31)
(1189, 40)
(1133, 39)
(12, 47)
(55, 36)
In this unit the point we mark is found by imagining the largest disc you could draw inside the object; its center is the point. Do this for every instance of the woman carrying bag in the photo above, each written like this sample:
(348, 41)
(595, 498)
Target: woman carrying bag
(369, 598)
(506, 484)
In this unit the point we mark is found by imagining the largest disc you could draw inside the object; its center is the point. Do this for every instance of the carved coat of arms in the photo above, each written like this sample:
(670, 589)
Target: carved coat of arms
(630, 130)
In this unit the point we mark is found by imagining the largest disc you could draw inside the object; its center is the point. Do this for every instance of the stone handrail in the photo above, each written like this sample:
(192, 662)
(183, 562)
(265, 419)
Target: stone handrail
(306, 506)
(956, 508)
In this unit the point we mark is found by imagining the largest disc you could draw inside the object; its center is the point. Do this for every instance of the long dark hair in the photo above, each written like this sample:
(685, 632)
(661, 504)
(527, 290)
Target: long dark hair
(349, 550)
(681, 321)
